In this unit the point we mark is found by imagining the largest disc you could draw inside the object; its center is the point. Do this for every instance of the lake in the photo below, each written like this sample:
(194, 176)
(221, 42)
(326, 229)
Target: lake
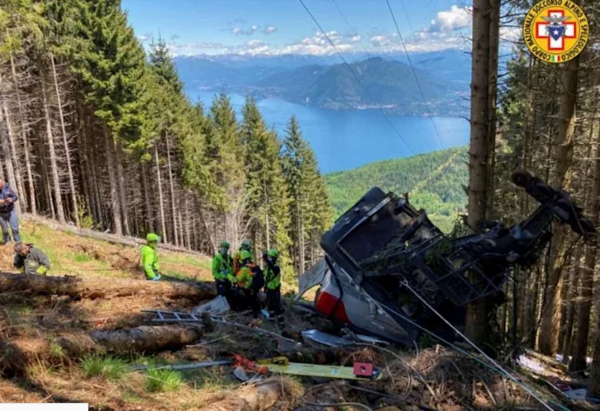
(344, 140)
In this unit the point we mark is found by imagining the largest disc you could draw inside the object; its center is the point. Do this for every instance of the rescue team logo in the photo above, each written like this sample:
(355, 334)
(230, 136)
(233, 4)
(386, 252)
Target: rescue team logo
(556, 31)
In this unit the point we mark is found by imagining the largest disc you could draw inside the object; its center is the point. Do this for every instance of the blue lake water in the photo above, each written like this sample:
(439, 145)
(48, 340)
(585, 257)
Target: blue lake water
(344, 140)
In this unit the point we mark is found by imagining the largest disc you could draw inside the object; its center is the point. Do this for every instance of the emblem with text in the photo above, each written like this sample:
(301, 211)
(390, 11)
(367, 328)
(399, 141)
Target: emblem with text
(556, 31)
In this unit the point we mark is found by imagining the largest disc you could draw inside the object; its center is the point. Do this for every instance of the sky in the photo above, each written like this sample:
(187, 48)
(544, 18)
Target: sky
(275, 27)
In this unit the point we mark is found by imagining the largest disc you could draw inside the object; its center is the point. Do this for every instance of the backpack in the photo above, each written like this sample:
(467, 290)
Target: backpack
(258, 279)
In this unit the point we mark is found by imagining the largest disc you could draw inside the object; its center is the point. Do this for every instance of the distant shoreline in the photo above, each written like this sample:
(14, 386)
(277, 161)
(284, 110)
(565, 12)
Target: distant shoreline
(388, 109)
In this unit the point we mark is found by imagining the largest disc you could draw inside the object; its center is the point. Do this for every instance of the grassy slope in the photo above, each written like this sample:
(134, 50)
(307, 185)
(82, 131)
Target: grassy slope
(84, 257)
(434, 181)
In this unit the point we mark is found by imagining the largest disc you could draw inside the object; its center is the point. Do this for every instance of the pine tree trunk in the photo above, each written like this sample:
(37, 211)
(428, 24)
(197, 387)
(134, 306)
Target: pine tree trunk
(13, 177)
(567, 341)
(477, 325)
(149, 215)
(301, 245)
(580, 346)
(494, 40)
(30, 183)
(172, 188)
(563, 152)
(117, 224)
(61, 118)
(121, 186)
(92, 171)
(188, 218)
(160, 195)
(60, 211)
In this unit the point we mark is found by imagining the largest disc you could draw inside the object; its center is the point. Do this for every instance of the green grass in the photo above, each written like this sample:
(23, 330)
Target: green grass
(18, 314)
(110, 368)
(82, 258)
(163, 380)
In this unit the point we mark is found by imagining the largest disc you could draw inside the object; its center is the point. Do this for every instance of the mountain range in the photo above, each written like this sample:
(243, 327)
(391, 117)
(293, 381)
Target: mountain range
(365, 83)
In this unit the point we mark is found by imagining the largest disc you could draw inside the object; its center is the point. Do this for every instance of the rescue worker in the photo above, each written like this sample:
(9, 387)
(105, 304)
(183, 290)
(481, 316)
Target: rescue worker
(250, 280)
(8, 214)
(222, 270)
(30, 260)
(273, 285)
(247, 246)
(149, 258)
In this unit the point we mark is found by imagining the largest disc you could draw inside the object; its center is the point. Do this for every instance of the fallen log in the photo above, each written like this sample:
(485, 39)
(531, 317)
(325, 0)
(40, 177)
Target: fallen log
(17, 354)
(97, 235)
(93, 288)
(259, 397)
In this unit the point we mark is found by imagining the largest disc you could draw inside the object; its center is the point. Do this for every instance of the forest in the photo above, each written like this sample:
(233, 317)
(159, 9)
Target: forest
(98, 133)
(434, 181)
(544, 118)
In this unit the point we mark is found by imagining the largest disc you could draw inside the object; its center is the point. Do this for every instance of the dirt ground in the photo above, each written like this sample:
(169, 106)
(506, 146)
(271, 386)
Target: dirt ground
(432, 378)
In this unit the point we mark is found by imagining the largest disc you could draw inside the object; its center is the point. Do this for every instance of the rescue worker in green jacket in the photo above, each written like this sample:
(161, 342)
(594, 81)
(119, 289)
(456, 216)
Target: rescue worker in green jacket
(149, 259)
(30, 260)
(222, 270)
(272, 274)
(247, 246)
(248, 279)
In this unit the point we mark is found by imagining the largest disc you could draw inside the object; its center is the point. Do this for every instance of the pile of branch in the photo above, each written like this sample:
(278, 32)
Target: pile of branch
(17, 354)
(102, 288)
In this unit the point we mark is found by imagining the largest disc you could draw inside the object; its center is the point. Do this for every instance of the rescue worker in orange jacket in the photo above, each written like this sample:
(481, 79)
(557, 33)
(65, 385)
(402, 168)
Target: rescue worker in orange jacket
(246, 246)
(249, 279)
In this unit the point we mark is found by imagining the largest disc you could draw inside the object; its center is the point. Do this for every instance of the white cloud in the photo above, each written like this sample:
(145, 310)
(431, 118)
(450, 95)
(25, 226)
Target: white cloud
(239, 31)
(270, 29)
(254, 44)
(319, 45)
(193, 49)
(447, 31)
(143, 38)
(454, 19)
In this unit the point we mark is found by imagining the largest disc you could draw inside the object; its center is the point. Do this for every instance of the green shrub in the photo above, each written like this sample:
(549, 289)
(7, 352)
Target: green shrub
(163, 380)
(109, 367)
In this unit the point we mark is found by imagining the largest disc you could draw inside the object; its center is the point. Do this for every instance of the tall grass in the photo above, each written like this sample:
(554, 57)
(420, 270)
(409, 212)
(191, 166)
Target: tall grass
(163, 380)
(108, 367)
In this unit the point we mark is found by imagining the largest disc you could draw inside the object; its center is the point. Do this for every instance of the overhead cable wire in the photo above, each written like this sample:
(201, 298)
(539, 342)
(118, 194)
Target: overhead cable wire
(349, 68)
(437, 134)
(491, 364)
(352, 29)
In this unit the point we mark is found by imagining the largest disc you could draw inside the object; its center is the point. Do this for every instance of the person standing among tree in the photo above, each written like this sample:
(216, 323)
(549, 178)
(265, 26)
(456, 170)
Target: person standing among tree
(8, 215)
(149, 260)
(30, 260)
(250, 280)
(222, 270)
(273, 285)
(246, 246)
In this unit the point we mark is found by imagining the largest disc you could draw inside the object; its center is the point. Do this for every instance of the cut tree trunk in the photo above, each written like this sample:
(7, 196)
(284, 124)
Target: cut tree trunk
(109, 238)
(76, 345)
(260, 397)
(93, 288)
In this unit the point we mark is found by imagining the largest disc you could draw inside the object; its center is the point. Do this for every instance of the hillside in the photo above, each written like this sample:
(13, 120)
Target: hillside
(434, 181)
(384, 83)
